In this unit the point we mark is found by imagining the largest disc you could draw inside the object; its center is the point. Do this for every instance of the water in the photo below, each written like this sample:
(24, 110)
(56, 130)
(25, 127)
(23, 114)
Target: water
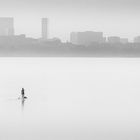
(70, 99)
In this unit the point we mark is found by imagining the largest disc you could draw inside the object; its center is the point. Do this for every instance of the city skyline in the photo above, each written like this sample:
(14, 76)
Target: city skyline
(69, 69)
(113, 17)
(86, 43)
(44, 31)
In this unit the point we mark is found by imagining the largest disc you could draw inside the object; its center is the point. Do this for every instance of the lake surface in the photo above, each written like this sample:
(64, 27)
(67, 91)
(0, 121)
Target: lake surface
(70, 99)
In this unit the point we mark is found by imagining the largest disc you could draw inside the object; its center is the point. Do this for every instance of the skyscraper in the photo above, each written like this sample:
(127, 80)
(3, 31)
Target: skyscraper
(6, 26)
(44, 28)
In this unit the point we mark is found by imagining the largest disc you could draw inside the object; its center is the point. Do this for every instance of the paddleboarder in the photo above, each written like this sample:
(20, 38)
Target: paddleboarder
(22, 93)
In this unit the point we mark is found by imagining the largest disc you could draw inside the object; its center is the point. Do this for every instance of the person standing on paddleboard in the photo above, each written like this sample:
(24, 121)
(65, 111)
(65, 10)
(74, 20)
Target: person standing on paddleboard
(22, 93)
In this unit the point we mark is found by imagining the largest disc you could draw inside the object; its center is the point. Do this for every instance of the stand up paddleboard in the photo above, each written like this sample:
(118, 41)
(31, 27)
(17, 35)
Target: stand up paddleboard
(20, 98)
(22, 94)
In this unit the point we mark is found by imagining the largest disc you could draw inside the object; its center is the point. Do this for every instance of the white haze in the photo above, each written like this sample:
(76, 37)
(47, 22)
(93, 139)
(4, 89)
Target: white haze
(70, 99)
(113, 17)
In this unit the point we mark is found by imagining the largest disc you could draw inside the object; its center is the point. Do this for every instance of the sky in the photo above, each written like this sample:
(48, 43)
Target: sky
(113, 17)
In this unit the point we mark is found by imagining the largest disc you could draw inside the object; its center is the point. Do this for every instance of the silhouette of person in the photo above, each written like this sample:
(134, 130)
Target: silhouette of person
(22, 93)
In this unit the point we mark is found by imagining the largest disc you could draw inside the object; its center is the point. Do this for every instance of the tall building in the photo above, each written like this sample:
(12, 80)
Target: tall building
(6, 26)
(44, 28)
(86, 38)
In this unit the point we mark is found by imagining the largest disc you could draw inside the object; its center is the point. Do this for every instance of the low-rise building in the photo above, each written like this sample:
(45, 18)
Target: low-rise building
(86, 38)
(137, 39)
(114, 39)
(124, 40)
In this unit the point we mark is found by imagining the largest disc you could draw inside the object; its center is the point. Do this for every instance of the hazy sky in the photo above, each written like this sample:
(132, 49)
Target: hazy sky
(113, 17)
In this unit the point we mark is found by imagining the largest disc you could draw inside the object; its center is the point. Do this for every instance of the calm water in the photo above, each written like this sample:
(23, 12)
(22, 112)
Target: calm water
(70, 99)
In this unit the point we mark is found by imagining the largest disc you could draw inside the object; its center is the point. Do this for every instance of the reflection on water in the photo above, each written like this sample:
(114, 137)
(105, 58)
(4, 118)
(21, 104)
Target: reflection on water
(22, 104)
(70, 98)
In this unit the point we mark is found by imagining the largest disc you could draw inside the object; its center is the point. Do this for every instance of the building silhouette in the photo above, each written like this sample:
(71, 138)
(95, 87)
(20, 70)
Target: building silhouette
(114, 39)
(124, 40)
(74, 38)
(86, 38)
(137, 39)
(44, 28)
(6, 26)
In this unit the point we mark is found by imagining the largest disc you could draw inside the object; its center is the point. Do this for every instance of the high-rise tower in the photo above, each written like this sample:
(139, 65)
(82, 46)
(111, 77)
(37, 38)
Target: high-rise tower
(45, 28)
(6, 26)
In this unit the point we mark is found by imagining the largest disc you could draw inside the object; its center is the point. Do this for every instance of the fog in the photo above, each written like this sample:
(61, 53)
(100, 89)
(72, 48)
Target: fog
(112, 17)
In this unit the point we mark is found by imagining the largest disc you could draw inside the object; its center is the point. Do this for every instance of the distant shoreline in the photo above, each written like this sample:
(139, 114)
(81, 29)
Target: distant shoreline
(58, 49)
(70, 56)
